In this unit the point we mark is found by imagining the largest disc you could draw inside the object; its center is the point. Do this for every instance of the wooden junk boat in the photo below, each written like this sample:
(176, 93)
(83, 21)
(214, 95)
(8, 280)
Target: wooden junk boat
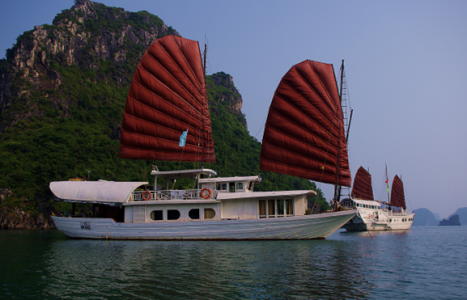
(373, 215)
(166, 117)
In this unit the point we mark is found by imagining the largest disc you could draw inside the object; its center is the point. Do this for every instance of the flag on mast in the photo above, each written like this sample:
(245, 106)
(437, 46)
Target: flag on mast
(183, 139)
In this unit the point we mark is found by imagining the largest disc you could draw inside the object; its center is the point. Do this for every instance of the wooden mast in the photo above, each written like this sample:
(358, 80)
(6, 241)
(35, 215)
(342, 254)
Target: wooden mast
(387, 183)
(204, 112)
(337, 188)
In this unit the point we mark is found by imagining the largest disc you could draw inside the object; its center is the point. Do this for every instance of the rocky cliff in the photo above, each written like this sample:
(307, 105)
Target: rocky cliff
(453, 221)
(462, 212)
(105, 42)
(223, 91)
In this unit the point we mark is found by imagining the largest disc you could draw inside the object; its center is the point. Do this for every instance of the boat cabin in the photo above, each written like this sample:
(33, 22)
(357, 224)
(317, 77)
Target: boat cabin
(213, 198)
(358, 203)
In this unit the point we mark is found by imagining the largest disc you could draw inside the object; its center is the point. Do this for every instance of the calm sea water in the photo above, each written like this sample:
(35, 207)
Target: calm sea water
(423, 263)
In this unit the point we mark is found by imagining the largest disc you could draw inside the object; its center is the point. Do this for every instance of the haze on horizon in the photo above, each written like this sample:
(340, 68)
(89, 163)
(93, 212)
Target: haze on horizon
(405, 65)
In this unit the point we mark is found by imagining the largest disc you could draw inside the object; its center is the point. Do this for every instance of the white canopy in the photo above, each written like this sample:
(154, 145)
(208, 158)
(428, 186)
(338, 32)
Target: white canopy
(255, 178)
(183, 173)
(103, 192)
(229, 196)
(367, 202)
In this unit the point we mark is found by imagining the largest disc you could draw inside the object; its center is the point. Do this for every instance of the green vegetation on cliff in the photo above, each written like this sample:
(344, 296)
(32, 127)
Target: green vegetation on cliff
(60, 115)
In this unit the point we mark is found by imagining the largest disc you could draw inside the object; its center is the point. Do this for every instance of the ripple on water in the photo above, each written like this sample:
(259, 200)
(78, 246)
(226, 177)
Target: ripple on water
(423, 263)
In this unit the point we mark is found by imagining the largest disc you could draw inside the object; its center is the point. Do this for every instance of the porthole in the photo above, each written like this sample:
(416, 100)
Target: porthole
(173, 214)
(209, 213)
(194, 214)
(157, 215)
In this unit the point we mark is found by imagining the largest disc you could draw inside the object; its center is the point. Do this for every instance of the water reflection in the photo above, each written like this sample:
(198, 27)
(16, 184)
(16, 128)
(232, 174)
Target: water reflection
(427, 263)
(144, 270)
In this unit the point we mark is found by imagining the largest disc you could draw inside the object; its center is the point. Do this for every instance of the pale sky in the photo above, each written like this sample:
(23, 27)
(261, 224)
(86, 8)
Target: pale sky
(406, 67)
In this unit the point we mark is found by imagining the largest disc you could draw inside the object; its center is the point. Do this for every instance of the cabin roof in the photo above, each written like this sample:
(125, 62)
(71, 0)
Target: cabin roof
(230, 196)
(102, 191)
(367, 202)
(231, 179)
(183, 173)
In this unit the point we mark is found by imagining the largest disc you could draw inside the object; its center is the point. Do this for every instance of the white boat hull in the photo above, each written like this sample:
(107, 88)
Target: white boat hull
(357, 224)
(318, 226)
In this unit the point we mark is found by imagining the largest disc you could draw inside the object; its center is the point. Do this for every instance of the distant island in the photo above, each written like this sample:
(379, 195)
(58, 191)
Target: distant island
(424, 217)
(453, 221)
(462, 212)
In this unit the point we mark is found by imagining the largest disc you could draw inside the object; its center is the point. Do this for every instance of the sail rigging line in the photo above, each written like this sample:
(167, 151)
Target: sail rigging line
(337, 191)
(205, 100)
(387, 183)
(347, 98)
(328, 142)
(262, 126)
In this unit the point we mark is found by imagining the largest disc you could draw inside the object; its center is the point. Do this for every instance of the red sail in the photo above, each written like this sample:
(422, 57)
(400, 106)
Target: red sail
(397, 193)
(362, 187)
(168, 96)
(304, 129)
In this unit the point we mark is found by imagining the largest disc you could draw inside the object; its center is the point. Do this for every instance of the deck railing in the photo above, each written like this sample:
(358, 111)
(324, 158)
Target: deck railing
(168, 195)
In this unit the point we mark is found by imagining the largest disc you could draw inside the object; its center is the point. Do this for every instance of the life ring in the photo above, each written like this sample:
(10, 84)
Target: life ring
(206, 195)
(372, 216)
(147, 195)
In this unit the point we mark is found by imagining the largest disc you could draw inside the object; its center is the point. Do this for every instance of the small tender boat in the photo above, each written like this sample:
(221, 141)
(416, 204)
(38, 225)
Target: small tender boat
(167, 118)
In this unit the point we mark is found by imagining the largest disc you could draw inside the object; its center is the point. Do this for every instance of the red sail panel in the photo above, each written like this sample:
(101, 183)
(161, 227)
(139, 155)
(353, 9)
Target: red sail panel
(168, 96)
(397, 193)
(304, 129)
(362, 187)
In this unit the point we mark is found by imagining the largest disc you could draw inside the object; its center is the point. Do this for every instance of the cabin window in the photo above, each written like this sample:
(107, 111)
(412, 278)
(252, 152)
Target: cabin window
(209, 213)
(288, 207)
(239, 186)
(280, 208)
(173, 214)
(157, 215)
(271, 208)
(222, 186)
(194, 214)
(275, 208)
(232, 187)
(262, 209)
